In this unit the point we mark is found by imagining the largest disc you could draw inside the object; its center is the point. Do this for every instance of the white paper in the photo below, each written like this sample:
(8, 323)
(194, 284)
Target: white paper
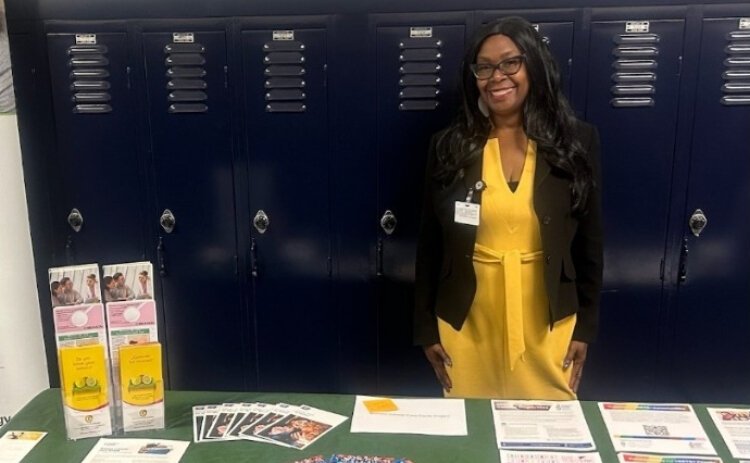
(136, 451)
(650, 458)
(734, 426)
(541, 425)
(657, 428)
(515, 456)
(15, 445)
(437, 417)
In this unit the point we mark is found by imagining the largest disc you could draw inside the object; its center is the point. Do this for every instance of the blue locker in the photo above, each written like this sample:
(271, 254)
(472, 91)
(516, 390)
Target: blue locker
(633, 92)
(98, 209)
(418, 65)
(189, 110)
(709, 336)
(286, 138)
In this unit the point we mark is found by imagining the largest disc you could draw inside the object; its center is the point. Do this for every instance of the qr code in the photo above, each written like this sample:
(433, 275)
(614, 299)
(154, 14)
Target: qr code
(656, 431)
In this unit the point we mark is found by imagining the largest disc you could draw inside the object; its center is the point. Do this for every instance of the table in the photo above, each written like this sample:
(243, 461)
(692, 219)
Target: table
(44, 413)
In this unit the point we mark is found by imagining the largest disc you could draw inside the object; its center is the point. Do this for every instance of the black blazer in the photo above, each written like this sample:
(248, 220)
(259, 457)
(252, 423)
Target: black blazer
(445, 279)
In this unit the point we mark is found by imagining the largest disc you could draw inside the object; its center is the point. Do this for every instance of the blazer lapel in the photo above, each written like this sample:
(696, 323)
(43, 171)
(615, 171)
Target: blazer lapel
(473, 174)
(542, 169)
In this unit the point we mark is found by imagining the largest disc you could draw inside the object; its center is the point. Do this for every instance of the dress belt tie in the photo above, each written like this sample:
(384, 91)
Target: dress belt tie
(511, 261)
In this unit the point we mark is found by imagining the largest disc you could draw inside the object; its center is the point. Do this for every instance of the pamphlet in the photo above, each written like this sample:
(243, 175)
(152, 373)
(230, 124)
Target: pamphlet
(15, 445)
(734, 426)
(84, 383)
(438, 417)
(141, 387)
(522, 456)
(655, 428)
(541, 425)
(136, 450)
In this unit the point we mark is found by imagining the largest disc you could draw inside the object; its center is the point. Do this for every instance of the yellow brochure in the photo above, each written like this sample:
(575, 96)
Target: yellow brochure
(84, 380)
(142, 386)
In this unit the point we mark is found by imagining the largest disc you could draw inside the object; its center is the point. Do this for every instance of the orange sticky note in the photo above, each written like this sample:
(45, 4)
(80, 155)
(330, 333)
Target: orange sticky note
(380, 405)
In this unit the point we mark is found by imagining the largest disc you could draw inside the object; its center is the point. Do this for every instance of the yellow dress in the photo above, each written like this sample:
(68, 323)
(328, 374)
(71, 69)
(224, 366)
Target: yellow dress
(505, 348)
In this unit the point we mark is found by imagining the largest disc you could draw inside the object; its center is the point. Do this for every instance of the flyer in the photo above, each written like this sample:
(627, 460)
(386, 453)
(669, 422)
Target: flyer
(302, 426)
(650, 458)
(655, 428)
(734, 426)
(520, 456)
(437, 417)
(136, 450)
(15, 445)
(541, 425)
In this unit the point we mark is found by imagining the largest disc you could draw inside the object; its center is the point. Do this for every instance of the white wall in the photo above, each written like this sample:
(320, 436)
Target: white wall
(23, 365)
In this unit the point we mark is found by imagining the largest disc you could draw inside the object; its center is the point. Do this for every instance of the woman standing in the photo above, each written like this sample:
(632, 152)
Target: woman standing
(509, 261)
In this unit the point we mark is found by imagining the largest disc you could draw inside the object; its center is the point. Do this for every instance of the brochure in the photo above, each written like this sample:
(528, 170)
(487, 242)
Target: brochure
(655, 428)
(541, 425)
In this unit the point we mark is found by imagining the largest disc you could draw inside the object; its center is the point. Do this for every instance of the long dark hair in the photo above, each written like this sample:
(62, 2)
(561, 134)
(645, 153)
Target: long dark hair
(547, 117)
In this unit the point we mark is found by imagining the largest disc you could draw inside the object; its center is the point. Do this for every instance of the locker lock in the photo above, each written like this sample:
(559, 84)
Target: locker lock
(167, 221)
(75, 220)
(261, 221)
(697, 222)
(388, 222)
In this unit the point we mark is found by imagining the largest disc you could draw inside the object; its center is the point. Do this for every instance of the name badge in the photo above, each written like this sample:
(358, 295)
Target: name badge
(467, 213)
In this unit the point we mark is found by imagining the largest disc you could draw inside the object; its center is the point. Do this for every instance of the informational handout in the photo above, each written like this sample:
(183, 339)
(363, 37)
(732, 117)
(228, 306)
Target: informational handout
(517, 456)
(657, 428)
(15, 445)
(437, 417)
(136, 451)
(541, 425)
(651, 458)
(734, 426)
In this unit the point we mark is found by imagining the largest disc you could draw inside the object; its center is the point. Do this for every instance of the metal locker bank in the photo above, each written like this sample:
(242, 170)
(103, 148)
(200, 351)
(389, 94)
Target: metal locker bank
(268, 158)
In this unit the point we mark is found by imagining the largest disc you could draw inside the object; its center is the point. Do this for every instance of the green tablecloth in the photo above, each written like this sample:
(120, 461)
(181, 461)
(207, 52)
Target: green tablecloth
(44, 413)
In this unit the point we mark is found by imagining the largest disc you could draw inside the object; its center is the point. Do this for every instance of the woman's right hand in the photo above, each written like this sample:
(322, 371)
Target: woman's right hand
(439, 359)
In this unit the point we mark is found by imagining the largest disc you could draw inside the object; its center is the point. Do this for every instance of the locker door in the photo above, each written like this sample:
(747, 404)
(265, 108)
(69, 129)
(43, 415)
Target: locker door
(633, 85)
(286, 135)
(417, 76)
(99, 206)
(191, 144)
(712, 316)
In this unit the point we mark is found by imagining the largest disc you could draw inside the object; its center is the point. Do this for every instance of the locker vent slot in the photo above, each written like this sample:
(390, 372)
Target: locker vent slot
(736, 73)
(635, 63)
(284, 66)
(186, 78)
(419, 81)
(89, 76)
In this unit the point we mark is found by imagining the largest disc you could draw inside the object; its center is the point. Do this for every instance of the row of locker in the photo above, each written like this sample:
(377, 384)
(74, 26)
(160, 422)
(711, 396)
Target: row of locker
(272, 168)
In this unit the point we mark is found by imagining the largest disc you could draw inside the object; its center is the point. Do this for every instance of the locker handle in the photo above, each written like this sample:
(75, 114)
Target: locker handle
(161, 258)
(75, 220)
(253, 258)
(682, 276)
(69, 257)
(379, 258)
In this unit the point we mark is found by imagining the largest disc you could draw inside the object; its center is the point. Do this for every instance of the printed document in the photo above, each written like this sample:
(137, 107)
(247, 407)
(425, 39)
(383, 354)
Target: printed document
(515, 456)
(734, 426)
(136, 451)
(437, 417)
(15, 445)
(541, 425)
(657, 428)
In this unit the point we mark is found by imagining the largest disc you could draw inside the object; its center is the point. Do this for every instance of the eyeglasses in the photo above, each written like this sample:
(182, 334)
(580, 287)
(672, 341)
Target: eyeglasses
(508, 66)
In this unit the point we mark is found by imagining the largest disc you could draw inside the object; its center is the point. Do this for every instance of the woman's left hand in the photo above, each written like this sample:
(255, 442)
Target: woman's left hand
(576, 357)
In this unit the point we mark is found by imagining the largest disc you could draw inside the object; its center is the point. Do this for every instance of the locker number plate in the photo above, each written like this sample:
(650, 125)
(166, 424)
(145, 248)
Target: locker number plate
(183, 37)
(85, 39)
(636, 26)
(420, 32)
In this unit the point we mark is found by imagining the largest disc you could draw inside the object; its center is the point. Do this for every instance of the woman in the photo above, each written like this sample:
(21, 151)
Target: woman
(509, 261)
